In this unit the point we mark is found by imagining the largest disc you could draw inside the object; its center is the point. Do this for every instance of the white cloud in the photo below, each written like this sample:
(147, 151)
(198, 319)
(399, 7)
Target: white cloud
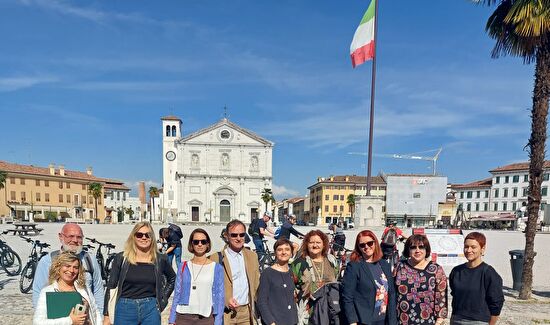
(16, 83)
(281, 192)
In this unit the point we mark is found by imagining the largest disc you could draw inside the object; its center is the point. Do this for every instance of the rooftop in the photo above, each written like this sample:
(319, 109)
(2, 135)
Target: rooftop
(484, 183)
(521, 166)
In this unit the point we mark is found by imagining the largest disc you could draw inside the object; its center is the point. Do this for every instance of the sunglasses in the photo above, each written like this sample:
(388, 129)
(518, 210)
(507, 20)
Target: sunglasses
(235, 235)
(202, 241)
(142, 234)
(412, 248)
(369, 243)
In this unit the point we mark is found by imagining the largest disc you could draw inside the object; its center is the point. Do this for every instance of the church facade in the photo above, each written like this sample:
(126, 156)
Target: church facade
(215, 174)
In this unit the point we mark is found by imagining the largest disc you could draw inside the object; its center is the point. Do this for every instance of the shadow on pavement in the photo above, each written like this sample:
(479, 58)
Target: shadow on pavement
(4, 282)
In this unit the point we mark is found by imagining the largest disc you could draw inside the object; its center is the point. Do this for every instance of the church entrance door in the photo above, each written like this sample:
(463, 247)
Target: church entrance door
(195, 213)
(253, 214)
(225, 211)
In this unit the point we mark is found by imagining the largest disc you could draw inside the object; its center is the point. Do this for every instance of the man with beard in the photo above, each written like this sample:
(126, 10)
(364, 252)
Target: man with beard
(71, 238)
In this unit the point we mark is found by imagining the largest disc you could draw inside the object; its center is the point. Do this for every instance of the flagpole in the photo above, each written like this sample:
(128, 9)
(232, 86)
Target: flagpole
(373, 83)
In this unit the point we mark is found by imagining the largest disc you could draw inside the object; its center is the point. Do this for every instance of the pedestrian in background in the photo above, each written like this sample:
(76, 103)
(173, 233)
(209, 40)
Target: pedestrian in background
(241, 276)
(66, 274)
(475, 286)
(368, 289)
(421, 285)
(143, 277)
(199, 294)
(311, 271)
(173, 250)
(276, 302)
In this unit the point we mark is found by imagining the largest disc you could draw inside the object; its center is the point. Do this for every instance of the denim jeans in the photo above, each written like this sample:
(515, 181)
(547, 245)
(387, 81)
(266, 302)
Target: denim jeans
(259, 247)
(142, 311)
(177, 253)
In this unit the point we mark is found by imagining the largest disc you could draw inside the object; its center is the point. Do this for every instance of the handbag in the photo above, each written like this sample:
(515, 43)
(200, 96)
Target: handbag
(112, 304)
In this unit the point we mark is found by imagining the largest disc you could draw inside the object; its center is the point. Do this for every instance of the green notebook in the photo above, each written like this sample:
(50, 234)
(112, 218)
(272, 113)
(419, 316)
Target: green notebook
(59, 304)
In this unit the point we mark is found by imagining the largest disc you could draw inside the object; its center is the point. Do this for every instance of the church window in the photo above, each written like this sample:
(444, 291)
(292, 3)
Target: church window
(168, 130)
(225, 134)
(173, 130)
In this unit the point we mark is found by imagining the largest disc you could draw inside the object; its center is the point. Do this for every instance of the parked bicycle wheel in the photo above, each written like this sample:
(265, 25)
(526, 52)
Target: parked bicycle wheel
(11, 262)
(27, 277)
(109, 265)
(266, 261)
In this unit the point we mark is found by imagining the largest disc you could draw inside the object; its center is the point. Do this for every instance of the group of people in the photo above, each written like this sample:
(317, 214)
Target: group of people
(302, 287)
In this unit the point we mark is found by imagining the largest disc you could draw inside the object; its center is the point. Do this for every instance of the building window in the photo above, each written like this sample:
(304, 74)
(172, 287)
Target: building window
(477, 206)
(12, 196)
(495, 206)
(478, 194)
(334, 208)
(61, 185)
(461, 195)
(496, 193)
(83, 199)
(124, 196)
(486, 194)
(22, 181)
(23, 197)
(544, 191)
(68, 185)
(524, 191)
(168, 130)
(505, 194)
(545, 176)
(47, 197)
(76, 199)
(68, 198)
(60, 198)
(506, 179)
(469, 207)
(542, 206)
(416, 195)
(84, 187)
(118, 196)
(497, 179)
(326, 208)
(47, 183)
(327, 197)
(341, 208)
(526, 178)
(12, 180)
(37, 182)
(341, 198)
(515, 179)
(485, 206)
(514, 206)
(469, 194)
(515, 192)
(37, 197)
(504, 206)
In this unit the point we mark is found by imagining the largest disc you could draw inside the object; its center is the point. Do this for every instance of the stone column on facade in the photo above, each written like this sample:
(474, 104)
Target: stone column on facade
(207, 201)
(240, 198)
(181, 206)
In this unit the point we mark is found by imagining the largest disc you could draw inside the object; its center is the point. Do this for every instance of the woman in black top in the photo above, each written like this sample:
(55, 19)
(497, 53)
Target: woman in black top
(276, 302)
(475, 286)
(144, 280)
(368, 291)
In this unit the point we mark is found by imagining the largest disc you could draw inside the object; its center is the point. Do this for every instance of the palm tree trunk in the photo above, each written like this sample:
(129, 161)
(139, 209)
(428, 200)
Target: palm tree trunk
(537, 145)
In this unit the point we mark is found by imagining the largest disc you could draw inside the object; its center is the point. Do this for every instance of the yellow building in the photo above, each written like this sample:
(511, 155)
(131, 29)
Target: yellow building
(49, 193)
(328, 197)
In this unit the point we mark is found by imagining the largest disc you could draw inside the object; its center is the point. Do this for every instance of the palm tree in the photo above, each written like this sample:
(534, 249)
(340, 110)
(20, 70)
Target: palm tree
(96, 191)
(153, 192)
(522, 28)
(130, 212)
(267, 196)
(351, 203)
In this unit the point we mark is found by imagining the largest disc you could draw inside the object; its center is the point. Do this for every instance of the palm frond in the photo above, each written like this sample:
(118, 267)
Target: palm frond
(531, 17)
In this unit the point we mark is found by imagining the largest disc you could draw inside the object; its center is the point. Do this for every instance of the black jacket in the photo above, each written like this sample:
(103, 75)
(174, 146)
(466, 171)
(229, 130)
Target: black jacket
(165, 278)
(358, 293)
(326, 309)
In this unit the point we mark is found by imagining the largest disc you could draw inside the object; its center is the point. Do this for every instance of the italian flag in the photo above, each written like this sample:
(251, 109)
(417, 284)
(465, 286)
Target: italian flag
(362, 46)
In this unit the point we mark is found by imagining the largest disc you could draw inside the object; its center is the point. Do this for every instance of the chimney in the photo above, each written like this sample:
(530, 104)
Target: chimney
(141, 191)
(61, 170)
(347, 178)
(89, 171)
(52, 169)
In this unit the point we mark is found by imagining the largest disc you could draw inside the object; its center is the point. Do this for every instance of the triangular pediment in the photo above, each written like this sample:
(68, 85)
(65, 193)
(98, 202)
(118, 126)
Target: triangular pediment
(225, 131)
(194, 202)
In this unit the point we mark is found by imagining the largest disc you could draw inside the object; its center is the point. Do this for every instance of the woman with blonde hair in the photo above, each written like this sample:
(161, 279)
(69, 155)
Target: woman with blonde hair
(67, 275)
(143, 278)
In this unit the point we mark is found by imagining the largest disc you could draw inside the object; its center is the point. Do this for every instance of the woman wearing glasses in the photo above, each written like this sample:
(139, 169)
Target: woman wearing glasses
(421, 285)
(143, 278)
(368, 293)
(199, 294)
(311, 271)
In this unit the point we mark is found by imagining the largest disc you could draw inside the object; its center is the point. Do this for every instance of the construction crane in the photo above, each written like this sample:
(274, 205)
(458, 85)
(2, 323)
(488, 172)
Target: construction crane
(414, 156)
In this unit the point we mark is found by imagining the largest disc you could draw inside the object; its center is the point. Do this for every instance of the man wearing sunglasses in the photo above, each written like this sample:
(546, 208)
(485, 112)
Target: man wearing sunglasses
(242, 276)
(70, 238)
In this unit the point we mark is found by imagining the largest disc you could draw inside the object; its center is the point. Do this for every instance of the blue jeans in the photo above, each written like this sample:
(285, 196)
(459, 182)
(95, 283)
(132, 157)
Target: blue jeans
(259, 247)
(176, 252)
(142, 311)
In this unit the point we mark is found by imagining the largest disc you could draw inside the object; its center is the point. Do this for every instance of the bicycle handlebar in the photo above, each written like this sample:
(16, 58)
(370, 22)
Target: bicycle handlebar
(35, 242)
(95, 241)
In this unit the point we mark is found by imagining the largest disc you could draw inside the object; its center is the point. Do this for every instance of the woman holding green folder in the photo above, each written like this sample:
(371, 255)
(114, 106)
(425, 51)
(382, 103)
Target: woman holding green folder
(66, 276)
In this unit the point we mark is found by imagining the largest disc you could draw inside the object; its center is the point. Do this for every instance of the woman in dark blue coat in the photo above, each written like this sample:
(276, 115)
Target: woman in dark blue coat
(368, 292)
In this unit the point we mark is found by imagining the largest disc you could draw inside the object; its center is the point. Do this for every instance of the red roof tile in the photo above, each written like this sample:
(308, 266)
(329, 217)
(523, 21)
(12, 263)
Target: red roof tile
(484, 183)
(522, 166)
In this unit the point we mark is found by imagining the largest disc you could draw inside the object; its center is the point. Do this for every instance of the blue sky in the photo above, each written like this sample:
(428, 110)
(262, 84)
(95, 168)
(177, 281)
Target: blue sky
(84, 83)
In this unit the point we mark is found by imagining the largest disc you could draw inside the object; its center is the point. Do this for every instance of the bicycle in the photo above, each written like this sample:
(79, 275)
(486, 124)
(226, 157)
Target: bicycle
(9, 259)
(392, 257)
(104, 265)
(266, 259)
(27, 275)
(337, 248)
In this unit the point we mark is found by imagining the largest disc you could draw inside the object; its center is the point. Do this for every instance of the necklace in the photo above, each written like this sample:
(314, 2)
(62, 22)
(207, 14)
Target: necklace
(194, 287)
(319, 273)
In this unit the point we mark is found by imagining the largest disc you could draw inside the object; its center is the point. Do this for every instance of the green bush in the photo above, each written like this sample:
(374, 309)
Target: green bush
(51, 216)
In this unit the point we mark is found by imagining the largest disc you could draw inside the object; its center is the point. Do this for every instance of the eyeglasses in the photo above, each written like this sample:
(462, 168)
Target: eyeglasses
(235, 235)
(73, 237)
(369, 243)
(202, 241)
(412, 248)
(142, 234)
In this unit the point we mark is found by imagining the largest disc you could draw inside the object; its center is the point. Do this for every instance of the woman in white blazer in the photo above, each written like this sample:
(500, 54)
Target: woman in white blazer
(67, 274)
